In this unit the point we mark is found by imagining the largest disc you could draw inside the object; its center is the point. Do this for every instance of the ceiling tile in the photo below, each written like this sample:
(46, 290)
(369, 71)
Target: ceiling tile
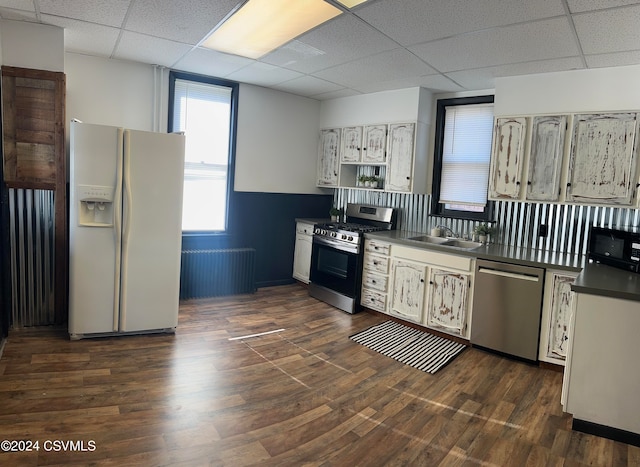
(263, 74)
(17, 15)
(414, 21)
(511, 44)
(609, 31)
(344, 92)
(24, 5)
(147, 49)
(386, 66)
(614, 59)
(211, 63)
(483, 78)
(105, 12)
(576, 6)
(308, 86)
(436, 83)
(82, 37)
(187, 21)
(335, 42)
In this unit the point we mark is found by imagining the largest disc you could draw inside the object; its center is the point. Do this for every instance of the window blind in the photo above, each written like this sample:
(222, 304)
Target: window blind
(466, 154)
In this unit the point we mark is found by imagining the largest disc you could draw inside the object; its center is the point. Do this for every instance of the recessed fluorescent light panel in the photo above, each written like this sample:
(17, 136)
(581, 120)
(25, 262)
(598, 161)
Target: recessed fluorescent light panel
(351, 3)
(261, 26)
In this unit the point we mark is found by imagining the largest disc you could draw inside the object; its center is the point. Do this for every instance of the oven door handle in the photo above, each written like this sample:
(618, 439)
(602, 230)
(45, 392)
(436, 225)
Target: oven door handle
(337, 244)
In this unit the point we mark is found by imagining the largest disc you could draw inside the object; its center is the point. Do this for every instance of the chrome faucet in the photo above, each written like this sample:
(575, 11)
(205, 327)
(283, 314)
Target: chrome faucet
(446, 229)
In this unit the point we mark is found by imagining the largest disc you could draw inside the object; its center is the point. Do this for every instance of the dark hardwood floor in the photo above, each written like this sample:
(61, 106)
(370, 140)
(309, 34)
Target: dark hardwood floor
(306, 395)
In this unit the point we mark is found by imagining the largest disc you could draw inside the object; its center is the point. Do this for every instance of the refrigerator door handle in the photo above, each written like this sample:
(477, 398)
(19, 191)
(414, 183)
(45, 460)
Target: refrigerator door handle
(126, 228)
(117, 225)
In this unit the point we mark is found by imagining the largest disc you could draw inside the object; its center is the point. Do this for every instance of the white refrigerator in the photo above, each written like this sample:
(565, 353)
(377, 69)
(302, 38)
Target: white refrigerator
(125, 230)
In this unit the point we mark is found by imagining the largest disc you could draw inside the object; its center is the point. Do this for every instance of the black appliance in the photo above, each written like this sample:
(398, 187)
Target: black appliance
(337, 253)
(618, 247)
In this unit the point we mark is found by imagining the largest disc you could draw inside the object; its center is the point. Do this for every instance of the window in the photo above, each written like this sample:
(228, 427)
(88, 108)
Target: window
(204, 109)
(464, 128)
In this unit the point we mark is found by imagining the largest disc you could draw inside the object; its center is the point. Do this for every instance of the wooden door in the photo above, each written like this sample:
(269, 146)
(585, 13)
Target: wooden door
(374, 150)
(351, 144)
(448, 301)
(509, 140)
(546, 156)
(328, 157)
(407, 293)
(400, 157)
(602, 168)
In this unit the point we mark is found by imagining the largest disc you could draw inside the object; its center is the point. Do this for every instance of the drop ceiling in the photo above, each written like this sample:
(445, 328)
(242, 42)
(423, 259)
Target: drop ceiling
(442, 45)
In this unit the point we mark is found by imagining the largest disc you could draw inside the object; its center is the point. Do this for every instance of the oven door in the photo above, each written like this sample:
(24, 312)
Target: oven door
(335, 267)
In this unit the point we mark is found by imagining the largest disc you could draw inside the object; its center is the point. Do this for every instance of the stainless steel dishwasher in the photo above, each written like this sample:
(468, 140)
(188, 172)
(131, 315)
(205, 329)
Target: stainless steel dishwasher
(507, 305)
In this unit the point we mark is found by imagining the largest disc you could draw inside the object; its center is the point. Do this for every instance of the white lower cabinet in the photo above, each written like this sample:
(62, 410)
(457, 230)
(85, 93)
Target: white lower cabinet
(556, 315)
(375, 275)
(448, 304)
(407, 289)
(432, 288)
(302, 252)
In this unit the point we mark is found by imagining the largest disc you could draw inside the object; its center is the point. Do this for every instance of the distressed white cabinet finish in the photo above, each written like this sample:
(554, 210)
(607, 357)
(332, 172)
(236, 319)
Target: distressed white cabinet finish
(407, 289)
(507, 152)
(400, 157)
(375, 275)
(556, 315)
(302, 251)
(329, 158)
(374, 149)
(545, 157)
(351, 144)
(448, 302)
(602, 168)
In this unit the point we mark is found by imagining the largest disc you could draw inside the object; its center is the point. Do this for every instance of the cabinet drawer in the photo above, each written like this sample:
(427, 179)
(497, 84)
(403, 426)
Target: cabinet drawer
(376, 263)
(374, 300)
(374, 246)
(374, 281)
(303, 228)
(434, 258)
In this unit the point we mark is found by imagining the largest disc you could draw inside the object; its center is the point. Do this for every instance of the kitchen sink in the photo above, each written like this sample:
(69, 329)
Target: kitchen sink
(464, 244)
(444, 241)
(430, 239)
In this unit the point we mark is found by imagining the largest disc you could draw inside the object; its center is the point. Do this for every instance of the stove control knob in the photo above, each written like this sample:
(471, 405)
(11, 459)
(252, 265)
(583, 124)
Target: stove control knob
(316, 230)
(350, 238)
(333, 234)
(343, 236)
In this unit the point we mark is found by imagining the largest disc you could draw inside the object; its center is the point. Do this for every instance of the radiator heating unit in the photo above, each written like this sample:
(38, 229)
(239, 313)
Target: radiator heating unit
(213, 273)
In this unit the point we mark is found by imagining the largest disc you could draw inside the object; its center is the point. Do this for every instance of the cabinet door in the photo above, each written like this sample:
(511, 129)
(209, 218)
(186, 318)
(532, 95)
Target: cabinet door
(400, 155)
(374, 150)
(509, 139)
(302, 257)
(545, 160)
(448, 301)
(351, 144)
(556, 315)
(328, 157)
(603, 159)
(407, 298)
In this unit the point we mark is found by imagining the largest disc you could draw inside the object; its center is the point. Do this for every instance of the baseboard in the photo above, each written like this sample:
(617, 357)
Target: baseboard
(275, 283)
(608, 432)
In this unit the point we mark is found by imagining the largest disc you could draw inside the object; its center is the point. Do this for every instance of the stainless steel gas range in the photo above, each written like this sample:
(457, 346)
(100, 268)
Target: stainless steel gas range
(337, 253)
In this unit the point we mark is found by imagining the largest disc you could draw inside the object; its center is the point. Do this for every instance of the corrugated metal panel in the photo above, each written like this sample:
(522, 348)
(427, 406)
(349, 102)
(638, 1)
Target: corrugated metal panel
(32, 265)
(517, 223)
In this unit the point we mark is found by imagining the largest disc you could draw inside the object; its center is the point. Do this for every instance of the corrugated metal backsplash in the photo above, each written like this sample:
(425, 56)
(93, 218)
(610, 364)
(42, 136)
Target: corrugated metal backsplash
(32, 257)
(517, 223)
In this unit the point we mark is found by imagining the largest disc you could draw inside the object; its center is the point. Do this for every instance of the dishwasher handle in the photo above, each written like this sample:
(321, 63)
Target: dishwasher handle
(511, 275)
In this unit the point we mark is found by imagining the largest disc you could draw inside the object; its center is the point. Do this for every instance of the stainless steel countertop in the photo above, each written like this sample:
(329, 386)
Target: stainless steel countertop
(492, 252)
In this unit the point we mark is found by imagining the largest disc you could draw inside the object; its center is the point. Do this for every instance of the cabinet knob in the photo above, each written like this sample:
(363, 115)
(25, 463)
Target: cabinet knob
(408, 178)
(529, 182)
(430, 282)
(422, 280)
(364, 149)
(568, 185)
(517, 183)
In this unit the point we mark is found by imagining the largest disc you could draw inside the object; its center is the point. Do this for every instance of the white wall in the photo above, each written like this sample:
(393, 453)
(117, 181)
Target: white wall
(32, 45)
(277, 142)
(601, 89)
(402, 105)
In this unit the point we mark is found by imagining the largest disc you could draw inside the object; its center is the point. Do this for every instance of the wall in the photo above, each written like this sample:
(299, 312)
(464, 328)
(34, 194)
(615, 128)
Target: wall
(31, 45)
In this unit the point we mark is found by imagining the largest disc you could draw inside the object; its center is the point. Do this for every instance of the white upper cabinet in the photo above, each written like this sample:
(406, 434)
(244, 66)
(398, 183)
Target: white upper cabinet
(351, 144)
(374, 150)
(508, 150)
(329, 158)
(545, 158)
(400, 157)
(602, 168)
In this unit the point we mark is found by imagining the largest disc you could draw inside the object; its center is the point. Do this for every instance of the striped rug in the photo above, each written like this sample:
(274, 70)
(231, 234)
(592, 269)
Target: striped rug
(410, 346)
